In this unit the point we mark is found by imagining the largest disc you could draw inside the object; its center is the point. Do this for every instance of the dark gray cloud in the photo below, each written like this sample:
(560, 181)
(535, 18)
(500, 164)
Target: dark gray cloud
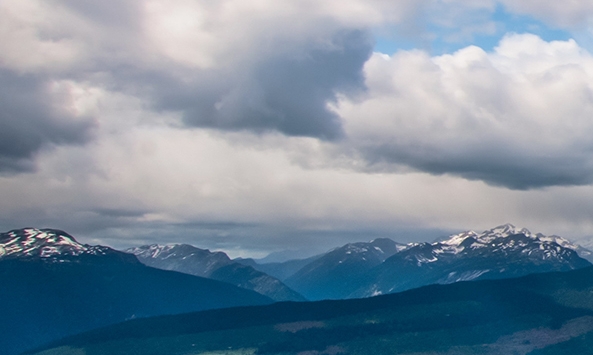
(31, 118)
(287, 93)
(285, 90)
(122, 14)
(495, 165)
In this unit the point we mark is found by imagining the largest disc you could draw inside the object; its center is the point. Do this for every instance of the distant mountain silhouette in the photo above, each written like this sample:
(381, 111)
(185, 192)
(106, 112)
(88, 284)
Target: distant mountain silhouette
(343, 270)
(214, 265)
(280, 270)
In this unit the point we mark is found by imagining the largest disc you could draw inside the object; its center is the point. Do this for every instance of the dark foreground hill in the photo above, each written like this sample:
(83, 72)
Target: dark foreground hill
(52, 286)
(549, 313)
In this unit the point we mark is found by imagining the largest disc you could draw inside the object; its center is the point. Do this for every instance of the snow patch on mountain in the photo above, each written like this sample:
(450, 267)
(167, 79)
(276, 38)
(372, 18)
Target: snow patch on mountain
(486, 237)
(43, 243)
(462, 276)
(178, 257)
(216, 265)
(501, 252)
(499, 238)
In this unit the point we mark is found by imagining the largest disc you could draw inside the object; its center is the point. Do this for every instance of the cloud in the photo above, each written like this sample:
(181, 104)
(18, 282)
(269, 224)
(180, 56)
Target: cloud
(518, 117)
(232, 66)
(239, 122)
(282, 83)
(570, 14)
(35, 113)
(286, 93)
(250, 193)
(212, 65)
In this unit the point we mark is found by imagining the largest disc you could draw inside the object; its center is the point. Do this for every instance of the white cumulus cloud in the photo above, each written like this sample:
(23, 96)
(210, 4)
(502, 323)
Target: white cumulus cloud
(517, 117)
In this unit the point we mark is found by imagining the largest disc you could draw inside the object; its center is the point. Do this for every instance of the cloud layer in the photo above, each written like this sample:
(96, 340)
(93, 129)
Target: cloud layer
(262, 124)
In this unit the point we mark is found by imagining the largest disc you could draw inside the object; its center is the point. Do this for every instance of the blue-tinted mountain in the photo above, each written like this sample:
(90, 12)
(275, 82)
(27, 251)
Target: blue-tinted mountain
(342, 271)
(546, 313)
(502, 252)
(214, 265)
(52, 286)
(280, 270)
(384, 266)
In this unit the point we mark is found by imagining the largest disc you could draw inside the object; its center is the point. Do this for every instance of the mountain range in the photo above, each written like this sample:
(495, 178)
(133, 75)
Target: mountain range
(384, 266)
(58, 287)
(365, 269)
(52, 286)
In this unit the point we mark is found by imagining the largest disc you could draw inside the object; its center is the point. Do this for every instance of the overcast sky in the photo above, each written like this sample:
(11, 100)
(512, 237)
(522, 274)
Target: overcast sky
(253, 126)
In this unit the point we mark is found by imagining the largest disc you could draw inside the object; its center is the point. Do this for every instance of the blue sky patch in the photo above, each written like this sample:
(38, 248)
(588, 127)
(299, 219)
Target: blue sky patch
(481, 28)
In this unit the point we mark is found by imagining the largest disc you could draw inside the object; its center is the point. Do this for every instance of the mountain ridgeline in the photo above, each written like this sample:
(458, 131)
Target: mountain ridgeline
(341, 271)
(214, 265)
(384, 266)
(381, 266)
(53, 286)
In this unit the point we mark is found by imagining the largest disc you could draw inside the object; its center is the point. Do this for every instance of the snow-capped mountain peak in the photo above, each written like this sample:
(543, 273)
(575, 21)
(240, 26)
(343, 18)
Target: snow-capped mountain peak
(151, 251)
(172, 256)
(457, 239)
(375, 251)
(506, 230)
(159, 251)
(481, 239)
(499, 236)
(43, 243)
(500, 242)
(503, 251)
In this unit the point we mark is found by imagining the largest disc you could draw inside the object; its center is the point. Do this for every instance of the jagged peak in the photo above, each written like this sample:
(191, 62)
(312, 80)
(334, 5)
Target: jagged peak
(457, 239)
(502, 240)
(377, 244)
(164, 247)
(151, 250)
(501, 231)
(156, 251)
(506, 230)
(458, 242)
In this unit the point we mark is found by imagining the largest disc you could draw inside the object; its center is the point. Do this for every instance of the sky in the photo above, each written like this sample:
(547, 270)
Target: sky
(256, 126)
